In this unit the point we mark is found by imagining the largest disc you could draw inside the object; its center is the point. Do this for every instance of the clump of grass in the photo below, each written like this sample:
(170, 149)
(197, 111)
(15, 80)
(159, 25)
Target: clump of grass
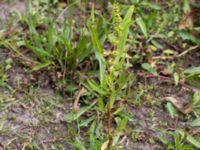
(55, 46)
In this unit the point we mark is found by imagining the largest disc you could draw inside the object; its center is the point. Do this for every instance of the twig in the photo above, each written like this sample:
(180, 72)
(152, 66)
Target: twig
(171, 45)
(178, 55)
(187, 51)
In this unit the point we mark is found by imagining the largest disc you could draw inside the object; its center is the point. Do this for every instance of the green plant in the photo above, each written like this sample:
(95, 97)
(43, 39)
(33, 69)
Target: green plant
(112, 75)
(112, 84)
(4, 67)
(54, 45)
(179, 138)
(192, 76)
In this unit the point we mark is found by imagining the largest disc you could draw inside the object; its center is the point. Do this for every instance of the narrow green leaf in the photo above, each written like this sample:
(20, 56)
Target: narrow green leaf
(171, 109)
(192, 70)
(101, 104)
(121, 125)
(196, 123)
(95, 87)
(151, 5)
(176, 78)
(196, 98)
(3, 120)
(189, 37)
(124, 29)
(112, 100)
(97, 45)
(149, 68)
(79, 145)
(186, 6)
(67, 44)
(41, 66)
(197, 28)
(102, 66)
(124, 26)
(51, 37)
(39, 52)
(193, 141)
(142, 25)
(95, 39)
(72, 116)
(86, 122)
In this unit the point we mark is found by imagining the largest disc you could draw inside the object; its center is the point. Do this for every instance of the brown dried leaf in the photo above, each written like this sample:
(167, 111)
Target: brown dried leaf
(189, 20)
(81, 92)
(180, 106)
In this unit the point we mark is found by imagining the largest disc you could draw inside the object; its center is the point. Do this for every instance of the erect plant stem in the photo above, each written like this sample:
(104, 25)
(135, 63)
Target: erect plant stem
(109, 123)
(109, 128)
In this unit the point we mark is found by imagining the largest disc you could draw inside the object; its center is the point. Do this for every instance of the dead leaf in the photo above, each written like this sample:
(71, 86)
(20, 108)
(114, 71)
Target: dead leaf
(105, 145)
(195, 132)
(180, 106)
(81, 92)
(149, 56)
(190, 21)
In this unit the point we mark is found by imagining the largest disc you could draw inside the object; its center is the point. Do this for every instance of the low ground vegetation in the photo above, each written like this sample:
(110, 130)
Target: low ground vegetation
(99, 75)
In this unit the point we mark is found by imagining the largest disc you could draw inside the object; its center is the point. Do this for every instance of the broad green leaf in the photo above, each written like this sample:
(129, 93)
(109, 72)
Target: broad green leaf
(72, 116)
(120, 109)
(163, 140)
(186, 6)
(142, 25)
(149, 68)
(188, 36)
(157, 44)
(196, 98)
(121, 125)
(123, 114)
(196, 123)
(182, 135)
(197, 28)
(193, 141)
(21, 43)
(112, 100)
(95, 87)
(39, 52)
(171, 109)
(192, 70)
(86, 122)
(102, 66)
(79, 145)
